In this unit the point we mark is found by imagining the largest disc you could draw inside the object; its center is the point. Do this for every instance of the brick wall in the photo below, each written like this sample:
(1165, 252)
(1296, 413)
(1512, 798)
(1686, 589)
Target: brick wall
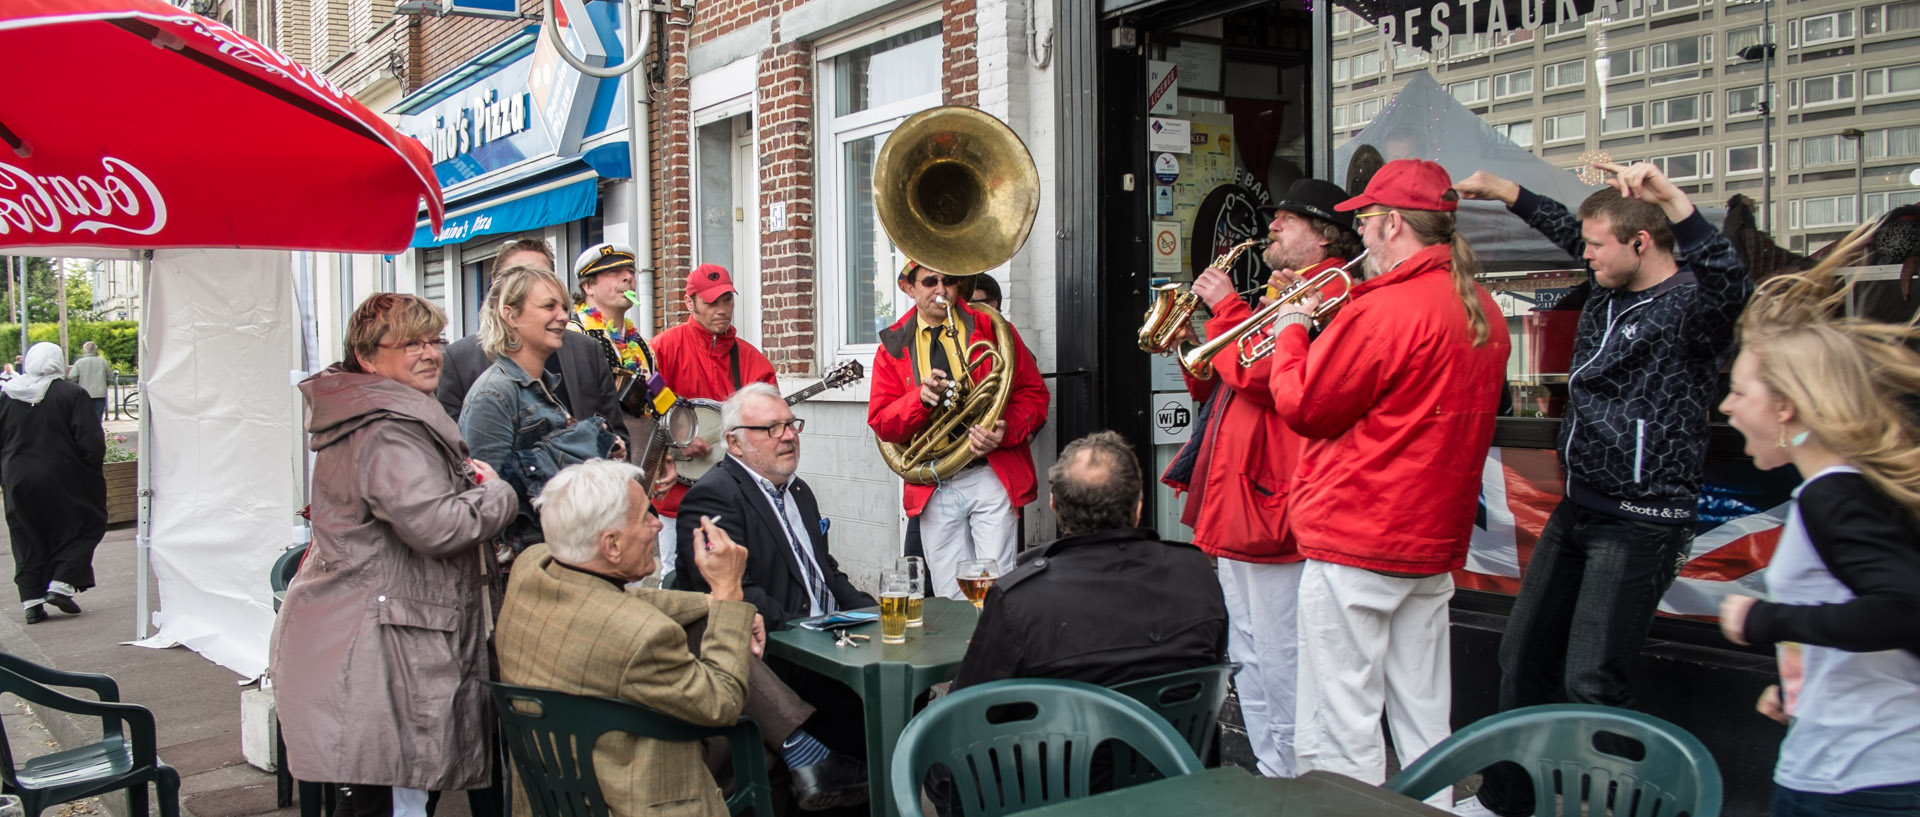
(328, 32)
(784, 116)
(672, 182)
(451, 41)
(960, 37)
(292, 20)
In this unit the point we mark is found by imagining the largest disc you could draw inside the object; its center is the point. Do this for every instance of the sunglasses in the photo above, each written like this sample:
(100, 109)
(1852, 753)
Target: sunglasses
(939, 280)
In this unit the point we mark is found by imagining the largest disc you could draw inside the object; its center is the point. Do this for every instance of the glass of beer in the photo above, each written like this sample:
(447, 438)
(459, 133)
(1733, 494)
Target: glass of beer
(976, 578)
(896, 590)
(915, 569)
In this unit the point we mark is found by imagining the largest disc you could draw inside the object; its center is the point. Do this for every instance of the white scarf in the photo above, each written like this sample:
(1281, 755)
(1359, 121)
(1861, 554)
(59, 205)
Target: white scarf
(42, 367)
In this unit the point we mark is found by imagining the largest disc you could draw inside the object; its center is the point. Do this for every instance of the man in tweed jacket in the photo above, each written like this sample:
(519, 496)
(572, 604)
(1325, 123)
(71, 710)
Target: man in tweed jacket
(1658, 324)
(568, 624)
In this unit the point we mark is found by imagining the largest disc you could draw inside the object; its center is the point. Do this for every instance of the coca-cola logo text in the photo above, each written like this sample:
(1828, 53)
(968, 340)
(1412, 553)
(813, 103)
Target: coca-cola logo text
(121, 198)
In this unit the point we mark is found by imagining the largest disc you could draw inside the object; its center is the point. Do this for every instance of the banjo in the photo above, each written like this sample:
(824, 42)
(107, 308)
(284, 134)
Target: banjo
(707, 418)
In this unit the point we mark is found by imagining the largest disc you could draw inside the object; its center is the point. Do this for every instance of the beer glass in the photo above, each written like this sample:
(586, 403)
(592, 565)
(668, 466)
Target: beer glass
(976, 578)
(895, 591)
(916, 570)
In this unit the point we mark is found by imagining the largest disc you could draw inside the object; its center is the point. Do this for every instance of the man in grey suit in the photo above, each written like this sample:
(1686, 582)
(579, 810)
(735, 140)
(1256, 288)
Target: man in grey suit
(586, 380)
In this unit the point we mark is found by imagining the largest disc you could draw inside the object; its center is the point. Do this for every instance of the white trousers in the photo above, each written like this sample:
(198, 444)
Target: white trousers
(1264, 639)
(409, 802)
(1370, 641)
(968, 517)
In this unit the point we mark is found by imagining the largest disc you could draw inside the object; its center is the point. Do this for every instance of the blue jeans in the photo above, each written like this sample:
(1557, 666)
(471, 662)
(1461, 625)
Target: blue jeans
(1584, 608)
(1901, 798)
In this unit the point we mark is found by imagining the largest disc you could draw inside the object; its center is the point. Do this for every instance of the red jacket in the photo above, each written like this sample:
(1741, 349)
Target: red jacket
(698, 363)
(895, 412)
(1237, 505)
(1397, 407)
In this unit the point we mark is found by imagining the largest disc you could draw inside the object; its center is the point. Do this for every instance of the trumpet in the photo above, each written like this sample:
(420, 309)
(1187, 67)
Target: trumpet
(1200, 358)
(1173, 305)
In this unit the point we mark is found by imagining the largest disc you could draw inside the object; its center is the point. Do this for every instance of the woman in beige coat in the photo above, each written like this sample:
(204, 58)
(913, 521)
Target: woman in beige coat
(379, 656)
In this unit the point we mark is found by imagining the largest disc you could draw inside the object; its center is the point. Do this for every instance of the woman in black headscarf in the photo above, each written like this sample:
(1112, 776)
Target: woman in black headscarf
(51, 449)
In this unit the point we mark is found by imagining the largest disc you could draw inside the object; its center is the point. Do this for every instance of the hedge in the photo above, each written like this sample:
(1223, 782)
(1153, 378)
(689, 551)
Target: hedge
(119, 341)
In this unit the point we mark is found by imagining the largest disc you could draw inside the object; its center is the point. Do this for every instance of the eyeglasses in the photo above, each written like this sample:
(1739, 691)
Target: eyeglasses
(776, 430)
(416, 348)
(937, 280)
(1365, 216)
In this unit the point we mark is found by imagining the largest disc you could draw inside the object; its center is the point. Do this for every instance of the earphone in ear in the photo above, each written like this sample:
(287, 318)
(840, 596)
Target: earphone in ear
(1637, 247)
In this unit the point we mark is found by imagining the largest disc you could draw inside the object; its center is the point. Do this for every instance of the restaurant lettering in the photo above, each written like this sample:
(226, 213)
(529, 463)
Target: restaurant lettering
(1470, 16)
(483, 120)
(121, 198)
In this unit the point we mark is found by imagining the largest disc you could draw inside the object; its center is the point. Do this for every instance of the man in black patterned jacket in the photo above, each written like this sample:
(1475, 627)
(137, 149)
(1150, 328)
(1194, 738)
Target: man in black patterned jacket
(1668, 290)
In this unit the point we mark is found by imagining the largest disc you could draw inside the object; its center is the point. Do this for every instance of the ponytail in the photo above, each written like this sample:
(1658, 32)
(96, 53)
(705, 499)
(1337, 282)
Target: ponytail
(1435, 226)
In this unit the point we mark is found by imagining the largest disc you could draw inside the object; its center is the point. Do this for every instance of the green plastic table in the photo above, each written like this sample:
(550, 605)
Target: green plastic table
(887, 677)
(1231, 791)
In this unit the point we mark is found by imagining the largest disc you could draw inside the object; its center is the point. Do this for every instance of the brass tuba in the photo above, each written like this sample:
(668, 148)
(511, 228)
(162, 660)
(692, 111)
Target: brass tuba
(957, 191)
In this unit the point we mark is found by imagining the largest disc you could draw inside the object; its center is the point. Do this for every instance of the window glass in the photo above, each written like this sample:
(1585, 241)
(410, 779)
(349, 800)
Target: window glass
(870, 89)
(1566, 74)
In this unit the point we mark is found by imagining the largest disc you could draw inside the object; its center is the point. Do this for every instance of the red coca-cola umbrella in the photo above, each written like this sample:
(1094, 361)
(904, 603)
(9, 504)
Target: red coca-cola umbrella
(132, 123)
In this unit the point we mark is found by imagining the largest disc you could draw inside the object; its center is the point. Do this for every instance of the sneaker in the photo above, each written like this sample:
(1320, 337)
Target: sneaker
(1472, 806)
(64, 602)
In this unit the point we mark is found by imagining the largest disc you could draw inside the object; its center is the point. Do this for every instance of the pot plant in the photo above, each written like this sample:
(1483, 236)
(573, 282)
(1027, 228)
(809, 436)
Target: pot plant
(122, 470)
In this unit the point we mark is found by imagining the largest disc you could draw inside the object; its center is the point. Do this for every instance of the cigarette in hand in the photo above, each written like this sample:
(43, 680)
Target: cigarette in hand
(709, 522)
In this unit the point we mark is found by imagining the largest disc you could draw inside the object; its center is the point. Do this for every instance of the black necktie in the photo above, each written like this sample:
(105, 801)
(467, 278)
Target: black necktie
(937, 352)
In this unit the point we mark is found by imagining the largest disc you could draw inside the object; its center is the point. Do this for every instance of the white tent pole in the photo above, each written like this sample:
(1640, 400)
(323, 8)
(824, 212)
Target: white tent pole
(143, 527)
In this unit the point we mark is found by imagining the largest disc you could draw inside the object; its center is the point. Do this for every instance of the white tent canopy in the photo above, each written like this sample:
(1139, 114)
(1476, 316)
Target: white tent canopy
(219, 444)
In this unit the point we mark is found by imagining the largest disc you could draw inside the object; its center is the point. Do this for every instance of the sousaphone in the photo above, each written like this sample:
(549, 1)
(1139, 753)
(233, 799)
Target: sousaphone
(957, 191)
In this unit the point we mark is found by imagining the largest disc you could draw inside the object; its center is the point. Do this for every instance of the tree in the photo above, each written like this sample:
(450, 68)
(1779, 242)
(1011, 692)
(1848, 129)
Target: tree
(43, 293)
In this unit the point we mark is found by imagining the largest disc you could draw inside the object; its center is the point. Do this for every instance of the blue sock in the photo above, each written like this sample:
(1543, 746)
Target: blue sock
(801, 749)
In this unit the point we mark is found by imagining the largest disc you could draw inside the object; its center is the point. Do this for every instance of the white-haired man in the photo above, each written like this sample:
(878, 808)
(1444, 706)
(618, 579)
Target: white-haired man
(771, 511)
(571, 624)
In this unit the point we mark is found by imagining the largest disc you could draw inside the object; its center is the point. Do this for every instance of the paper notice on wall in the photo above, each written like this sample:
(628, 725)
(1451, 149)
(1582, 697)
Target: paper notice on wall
(1169, 135)
(1166, 246)
(1163, 88)
(1199, 65)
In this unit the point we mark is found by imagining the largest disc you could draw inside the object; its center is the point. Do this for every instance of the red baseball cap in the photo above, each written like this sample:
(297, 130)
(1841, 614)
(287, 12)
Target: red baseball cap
(1407, 184)
(709, 282)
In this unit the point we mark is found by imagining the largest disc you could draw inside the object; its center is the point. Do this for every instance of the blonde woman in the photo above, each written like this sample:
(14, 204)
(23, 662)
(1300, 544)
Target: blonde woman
(513, 418)
(1825, 394)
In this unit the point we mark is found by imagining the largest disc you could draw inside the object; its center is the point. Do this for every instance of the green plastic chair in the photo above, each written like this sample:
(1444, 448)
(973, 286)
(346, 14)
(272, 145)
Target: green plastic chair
(123, 758)
(1556, 744)
(550, 736)
(1019, 744)
(1190, 700)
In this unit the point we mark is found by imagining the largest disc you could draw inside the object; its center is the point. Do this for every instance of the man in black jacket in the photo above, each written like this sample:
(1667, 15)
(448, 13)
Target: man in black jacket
(1108, 602)
(755, 496)
(1647, 353)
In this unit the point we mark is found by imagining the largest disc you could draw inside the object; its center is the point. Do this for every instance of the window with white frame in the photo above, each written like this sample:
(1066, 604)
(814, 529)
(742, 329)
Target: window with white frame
(1623, 118)
(1743, 100)
(1831, 149)
(1894, 143)
(1830, 89)
(1665, 6)
(1680, 53)
(1564, 27)
(1471, 92)
(1745, 159)
(1519, 133)
(1461, 46)
(1342, 69)
(1512, 84)
(1879, 203)
(1339, 117)
(1742, 38)
(1343, 22)
(1682, 167)
(1365, 110)
(1904, 79)
(1404, 57)
(1680, 110)
(1625, 62)
(1563, 128)
(1890, 18)
(1629, 10)
(1823, 212)
(1566, 74)
(1367, 63)
(1821, 29)
(865, 91)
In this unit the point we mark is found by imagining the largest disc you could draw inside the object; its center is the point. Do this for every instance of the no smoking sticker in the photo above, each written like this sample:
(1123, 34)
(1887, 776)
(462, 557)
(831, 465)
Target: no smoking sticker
(1166, 246)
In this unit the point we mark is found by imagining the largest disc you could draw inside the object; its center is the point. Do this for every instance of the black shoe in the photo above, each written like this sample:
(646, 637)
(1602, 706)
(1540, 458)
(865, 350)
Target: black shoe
(36, 614)
(64, 602)
(837, 781)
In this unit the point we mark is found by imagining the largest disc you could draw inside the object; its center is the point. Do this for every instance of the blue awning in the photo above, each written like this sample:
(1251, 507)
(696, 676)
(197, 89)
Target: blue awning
(557, 202)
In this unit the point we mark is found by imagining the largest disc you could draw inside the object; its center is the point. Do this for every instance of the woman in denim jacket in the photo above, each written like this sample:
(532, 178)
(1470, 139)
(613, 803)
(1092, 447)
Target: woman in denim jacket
(513, 418)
